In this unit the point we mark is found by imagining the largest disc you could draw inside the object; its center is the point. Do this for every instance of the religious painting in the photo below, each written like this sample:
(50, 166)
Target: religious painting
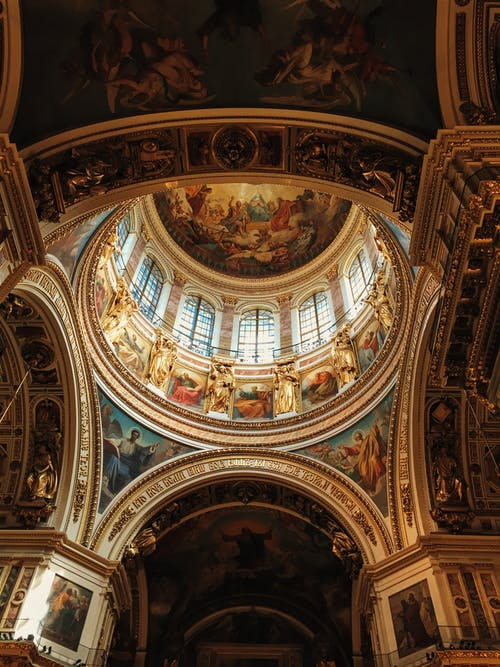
(68, 249)
(253, 400)
(68, 605)
(318, 386)
(132, 348)
(369, 343)
(103, 292)
(360, 452)
(97, 60)
(246, 553)
(187, 387)
(129, 449)
(413, 618)
(251, 230)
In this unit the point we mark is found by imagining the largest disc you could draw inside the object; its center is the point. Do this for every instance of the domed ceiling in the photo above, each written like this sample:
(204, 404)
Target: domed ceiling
(242, 229)
(94, 60)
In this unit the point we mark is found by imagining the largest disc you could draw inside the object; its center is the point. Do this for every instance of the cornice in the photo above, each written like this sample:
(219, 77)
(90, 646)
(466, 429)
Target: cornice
(42, 543)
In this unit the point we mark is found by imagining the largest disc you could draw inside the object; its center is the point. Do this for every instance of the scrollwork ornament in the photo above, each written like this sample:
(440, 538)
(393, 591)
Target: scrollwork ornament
(407, 503)
(361, 519)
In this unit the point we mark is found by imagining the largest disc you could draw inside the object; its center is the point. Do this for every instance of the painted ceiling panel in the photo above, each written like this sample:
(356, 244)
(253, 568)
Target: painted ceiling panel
(94, 60)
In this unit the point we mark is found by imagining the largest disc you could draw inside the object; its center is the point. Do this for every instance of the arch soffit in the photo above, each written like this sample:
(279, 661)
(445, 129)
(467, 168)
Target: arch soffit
(49, 288)
(345, 500)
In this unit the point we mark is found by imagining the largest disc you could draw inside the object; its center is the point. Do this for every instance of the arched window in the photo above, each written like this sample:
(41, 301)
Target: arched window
(314, 319)
(360, 274)
(256, 335)
(122, 231)
(147, 288)
(197, 324)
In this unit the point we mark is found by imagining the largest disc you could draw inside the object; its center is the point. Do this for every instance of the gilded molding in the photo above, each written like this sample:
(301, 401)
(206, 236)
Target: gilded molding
(201, 429)
(141, 501)
(87, 398)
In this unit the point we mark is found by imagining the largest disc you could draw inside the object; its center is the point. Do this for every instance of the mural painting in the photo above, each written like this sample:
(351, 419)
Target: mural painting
(369, 343)
(360, 452)
(253, 400)
(250, 554)
(129, 449)
(318, 386)
(187, 387)
(68, 605)
(69, 248)
(413, 618)
(133, 349)
(103, 292)
(251, 230)
(97, 58)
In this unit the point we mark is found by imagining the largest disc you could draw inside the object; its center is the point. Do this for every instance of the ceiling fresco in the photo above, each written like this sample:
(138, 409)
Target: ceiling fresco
(244, 556)
(93, 60)
(243, 230)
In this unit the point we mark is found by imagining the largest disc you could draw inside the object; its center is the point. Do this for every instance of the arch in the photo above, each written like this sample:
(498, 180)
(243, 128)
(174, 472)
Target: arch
(402, 148)
(49, 289)
(140, 502)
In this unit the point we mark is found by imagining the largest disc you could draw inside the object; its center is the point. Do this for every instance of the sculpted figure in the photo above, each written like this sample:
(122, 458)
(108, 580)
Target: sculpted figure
(379, 301)
(449, 487)
(161, 361)
(119, 312)
(286, 383)
(109, 247)
(42, 480)
(344, 357)
(220, 388)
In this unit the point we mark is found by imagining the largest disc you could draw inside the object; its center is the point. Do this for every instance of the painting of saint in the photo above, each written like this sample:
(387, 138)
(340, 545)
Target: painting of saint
(69, 248)
(132, 349)
(318, 386)
(253, 401)
(68, 605)
(413, 618)
(246, 551)
(369, 343)
(187, 387)
(129, 449)
(360, 452)
(251, 230)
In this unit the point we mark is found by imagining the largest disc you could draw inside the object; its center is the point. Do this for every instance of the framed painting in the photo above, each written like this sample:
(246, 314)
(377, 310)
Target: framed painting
(68, 605)
(413, 618)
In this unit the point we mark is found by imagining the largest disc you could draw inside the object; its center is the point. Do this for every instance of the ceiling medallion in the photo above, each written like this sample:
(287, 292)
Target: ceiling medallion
(234, 147)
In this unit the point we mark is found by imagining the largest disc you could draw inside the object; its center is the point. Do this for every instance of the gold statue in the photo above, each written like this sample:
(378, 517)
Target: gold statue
(220, 388)
(144, 543)
(344, 357)
(449, 487)
(109, 247)
(42, 480)
(119, 312)
(161, 361)
(286, 383)
(379, 301)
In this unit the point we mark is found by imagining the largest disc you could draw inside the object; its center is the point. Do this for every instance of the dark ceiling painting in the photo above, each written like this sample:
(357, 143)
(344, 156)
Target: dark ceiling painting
(243, 230)
(246, 557)
(91, 60)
